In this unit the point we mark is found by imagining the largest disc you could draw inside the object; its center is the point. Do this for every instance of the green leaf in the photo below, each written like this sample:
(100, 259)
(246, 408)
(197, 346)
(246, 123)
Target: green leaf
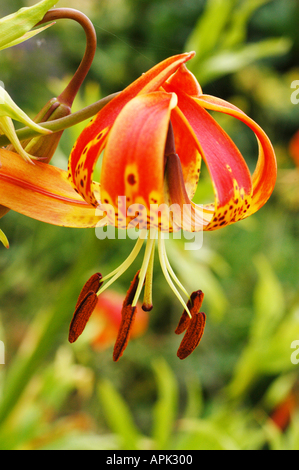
(227, 62)
(237, 32)
(195, 403)
(25, 37)
(17, 24)
(118, 416)
(209, 27)
(279, 390)
(268, 301)
(204, 435)
(166, 406)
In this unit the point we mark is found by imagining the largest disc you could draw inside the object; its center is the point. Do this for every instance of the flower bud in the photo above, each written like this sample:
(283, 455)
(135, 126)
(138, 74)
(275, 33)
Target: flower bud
(44, 147)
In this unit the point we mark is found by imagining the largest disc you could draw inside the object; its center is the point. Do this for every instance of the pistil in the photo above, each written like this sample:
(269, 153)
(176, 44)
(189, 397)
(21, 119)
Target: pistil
(148, 286)
(152, 235)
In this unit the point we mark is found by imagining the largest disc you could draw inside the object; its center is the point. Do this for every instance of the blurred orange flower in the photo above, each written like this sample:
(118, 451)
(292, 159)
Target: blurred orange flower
(106, 320)
(294, 148)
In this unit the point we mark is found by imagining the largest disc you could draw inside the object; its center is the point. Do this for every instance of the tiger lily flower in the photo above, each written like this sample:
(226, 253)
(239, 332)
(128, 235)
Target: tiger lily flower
(153, 136)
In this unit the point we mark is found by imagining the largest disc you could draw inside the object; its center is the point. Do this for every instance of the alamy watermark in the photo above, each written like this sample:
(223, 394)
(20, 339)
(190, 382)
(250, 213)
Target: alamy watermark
(295, 94)
(2, 353)
(295, 354)
(134, 220)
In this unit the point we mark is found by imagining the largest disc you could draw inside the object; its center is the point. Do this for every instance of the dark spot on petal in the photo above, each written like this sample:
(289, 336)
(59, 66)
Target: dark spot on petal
(131, 179)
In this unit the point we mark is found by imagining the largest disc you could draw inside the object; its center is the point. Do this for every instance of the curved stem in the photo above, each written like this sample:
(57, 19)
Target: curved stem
(68, 95)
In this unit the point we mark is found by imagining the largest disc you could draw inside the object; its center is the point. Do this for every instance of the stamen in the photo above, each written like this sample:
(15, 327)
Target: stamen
(162, 256)
(82, 315)
(194, 305)
(93, 284)
(148, 251)
(128, 316)
(148, 287)
(174, 277)
(124, 266)
(193, 335)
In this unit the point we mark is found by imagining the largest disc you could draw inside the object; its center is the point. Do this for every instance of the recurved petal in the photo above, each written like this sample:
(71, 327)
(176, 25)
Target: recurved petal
(264, 177)
(229, 173)
(42, 192)
(92, 140)
(188, 150)
(133, 163)
(185, 81)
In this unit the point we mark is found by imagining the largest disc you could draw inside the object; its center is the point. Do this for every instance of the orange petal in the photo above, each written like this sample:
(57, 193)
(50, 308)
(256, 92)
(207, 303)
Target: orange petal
(186, 215)
(184, 80)
(264, 177)
(92, 140)
(188, 150)
(294, 148)
(229, 172)
(42, 191)
(133, 163)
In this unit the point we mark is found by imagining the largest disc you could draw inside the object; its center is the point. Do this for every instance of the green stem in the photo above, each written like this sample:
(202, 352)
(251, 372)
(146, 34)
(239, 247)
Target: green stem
(62, 123)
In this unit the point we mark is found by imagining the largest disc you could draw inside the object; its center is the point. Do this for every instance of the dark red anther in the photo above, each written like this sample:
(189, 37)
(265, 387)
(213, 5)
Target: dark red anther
(82, 315)
(193, 335)
(194, 306)
(92, 285)
(128, 316)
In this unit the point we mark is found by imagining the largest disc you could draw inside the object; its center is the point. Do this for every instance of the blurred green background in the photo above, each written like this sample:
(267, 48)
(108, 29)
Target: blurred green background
(59, 396)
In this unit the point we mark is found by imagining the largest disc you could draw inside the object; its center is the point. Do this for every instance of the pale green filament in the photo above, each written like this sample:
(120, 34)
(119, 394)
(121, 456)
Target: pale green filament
(163, 262)
(174, 277)
(146, 271)
(147, 256)
(124, 266)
